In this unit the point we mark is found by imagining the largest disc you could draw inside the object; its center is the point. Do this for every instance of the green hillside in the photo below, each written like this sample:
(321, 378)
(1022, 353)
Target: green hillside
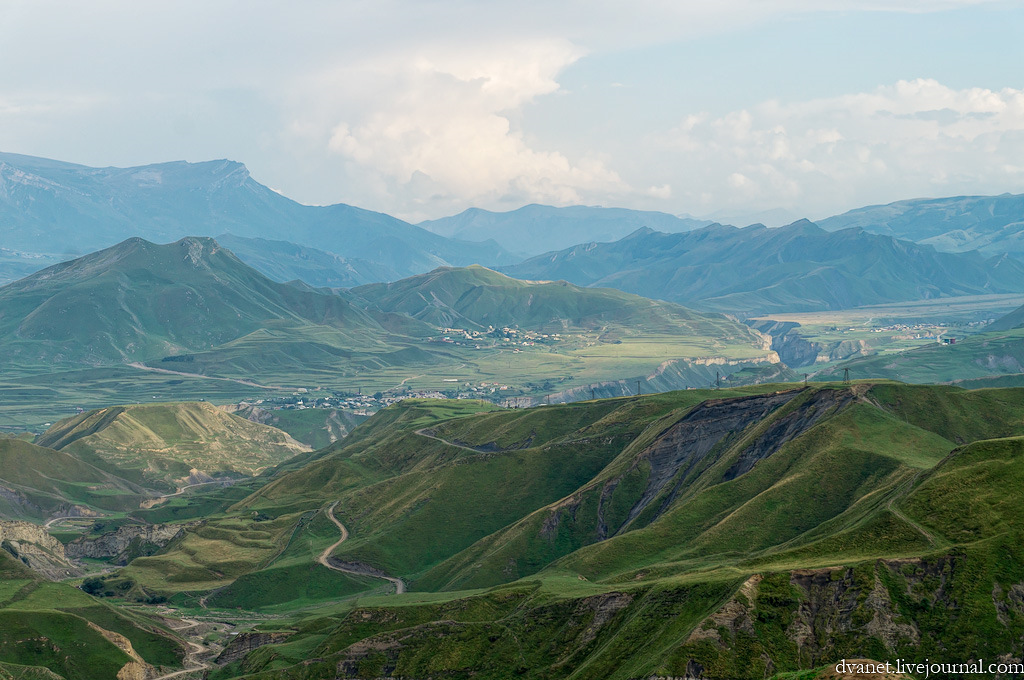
(171, 299)
(171, 444)
(193, 322)
(716, 528)
(476, 297)
(52, 630)
(1014, 319)
(315, 427)
(38, 482)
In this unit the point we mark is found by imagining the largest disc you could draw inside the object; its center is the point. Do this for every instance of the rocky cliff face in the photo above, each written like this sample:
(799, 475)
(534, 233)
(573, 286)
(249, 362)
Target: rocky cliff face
(887, 609)
(243, 643)
(796, 351)
(126, 543)
(36, 549)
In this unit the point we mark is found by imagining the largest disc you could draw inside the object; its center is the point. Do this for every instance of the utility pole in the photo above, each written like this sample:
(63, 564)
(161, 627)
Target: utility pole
(638, 388)
(718, 380)
(805, 380)
(846, 376)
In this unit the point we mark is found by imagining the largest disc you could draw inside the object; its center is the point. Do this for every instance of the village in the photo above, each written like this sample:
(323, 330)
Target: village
(505, 335)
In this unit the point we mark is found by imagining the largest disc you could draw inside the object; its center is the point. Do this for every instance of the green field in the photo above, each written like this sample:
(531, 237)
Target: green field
(984, 359)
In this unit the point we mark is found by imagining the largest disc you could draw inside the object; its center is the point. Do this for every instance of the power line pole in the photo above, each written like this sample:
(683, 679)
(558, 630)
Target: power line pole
(638, 388)
(718, 380)
(846, 376)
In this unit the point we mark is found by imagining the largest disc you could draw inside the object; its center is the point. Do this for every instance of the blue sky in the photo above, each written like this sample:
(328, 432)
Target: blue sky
(740, 109)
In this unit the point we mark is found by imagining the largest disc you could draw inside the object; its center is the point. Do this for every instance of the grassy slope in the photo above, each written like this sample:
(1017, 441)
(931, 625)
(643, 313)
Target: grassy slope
(869, 480)
(50, 625)
(180, 297)
(40, 481)
(315, 427)
(158, 443)
(272, 540)
(476, 297)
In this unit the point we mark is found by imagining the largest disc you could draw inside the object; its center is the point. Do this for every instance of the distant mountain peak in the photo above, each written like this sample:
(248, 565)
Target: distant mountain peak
(642, 231)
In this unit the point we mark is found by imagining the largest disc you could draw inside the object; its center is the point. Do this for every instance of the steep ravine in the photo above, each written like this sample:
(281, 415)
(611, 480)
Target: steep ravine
(679, 450)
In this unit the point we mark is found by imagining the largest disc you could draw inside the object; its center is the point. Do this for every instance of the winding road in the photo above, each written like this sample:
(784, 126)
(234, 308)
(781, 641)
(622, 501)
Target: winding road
(54, 520)
(325, 557)
(901, 493)
(425, 432)
(192, 659)
(181, 489)
(247, 383)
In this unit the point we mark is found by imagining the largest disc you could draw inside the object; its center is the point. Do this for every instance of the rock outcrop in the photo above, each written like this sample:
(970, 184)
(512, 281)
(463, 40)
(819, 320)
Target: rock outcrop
(126, 543)
(814, 617)
(243, 643)
(37, 549)
(137, 668)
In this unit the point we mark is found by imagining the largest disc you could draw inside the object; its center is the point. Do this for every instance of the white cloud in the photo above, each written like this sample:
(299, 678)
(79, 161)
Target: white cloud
(425, 108)
(444, 130)
(914, 138)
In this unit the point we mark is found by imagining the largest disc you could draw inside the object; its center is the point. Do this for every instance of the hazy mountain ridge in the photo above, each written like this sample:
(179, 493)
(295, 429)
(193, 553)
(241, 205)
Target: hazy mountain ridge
(756, 270)
(50, 206)
(284, 261)
(535, 229)
(991, 224)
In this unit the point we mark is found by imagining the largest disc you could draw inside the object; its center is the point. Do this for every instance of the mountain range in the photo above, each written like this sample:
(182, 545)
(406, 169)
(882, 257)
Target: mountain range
(284, 261)
(58, 208)
(756, 270)
(991, 224)
(536, 229)
(756, 531)
(50, 210)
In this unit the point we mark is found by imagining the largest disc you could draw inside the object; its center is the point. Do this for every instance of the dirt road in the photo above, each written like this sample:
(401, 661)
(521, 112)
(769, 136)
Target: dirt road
(353, 568)
(247, 383)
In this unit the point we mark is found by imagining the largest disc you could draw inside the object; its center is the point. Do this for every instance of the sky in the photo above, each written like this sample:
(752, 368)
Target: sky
(739, 110)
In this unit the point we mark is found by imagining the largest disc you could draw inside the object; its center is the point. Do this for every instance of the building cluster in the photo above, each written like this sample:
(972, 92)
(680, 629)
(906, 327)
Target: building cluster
(495, 337)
